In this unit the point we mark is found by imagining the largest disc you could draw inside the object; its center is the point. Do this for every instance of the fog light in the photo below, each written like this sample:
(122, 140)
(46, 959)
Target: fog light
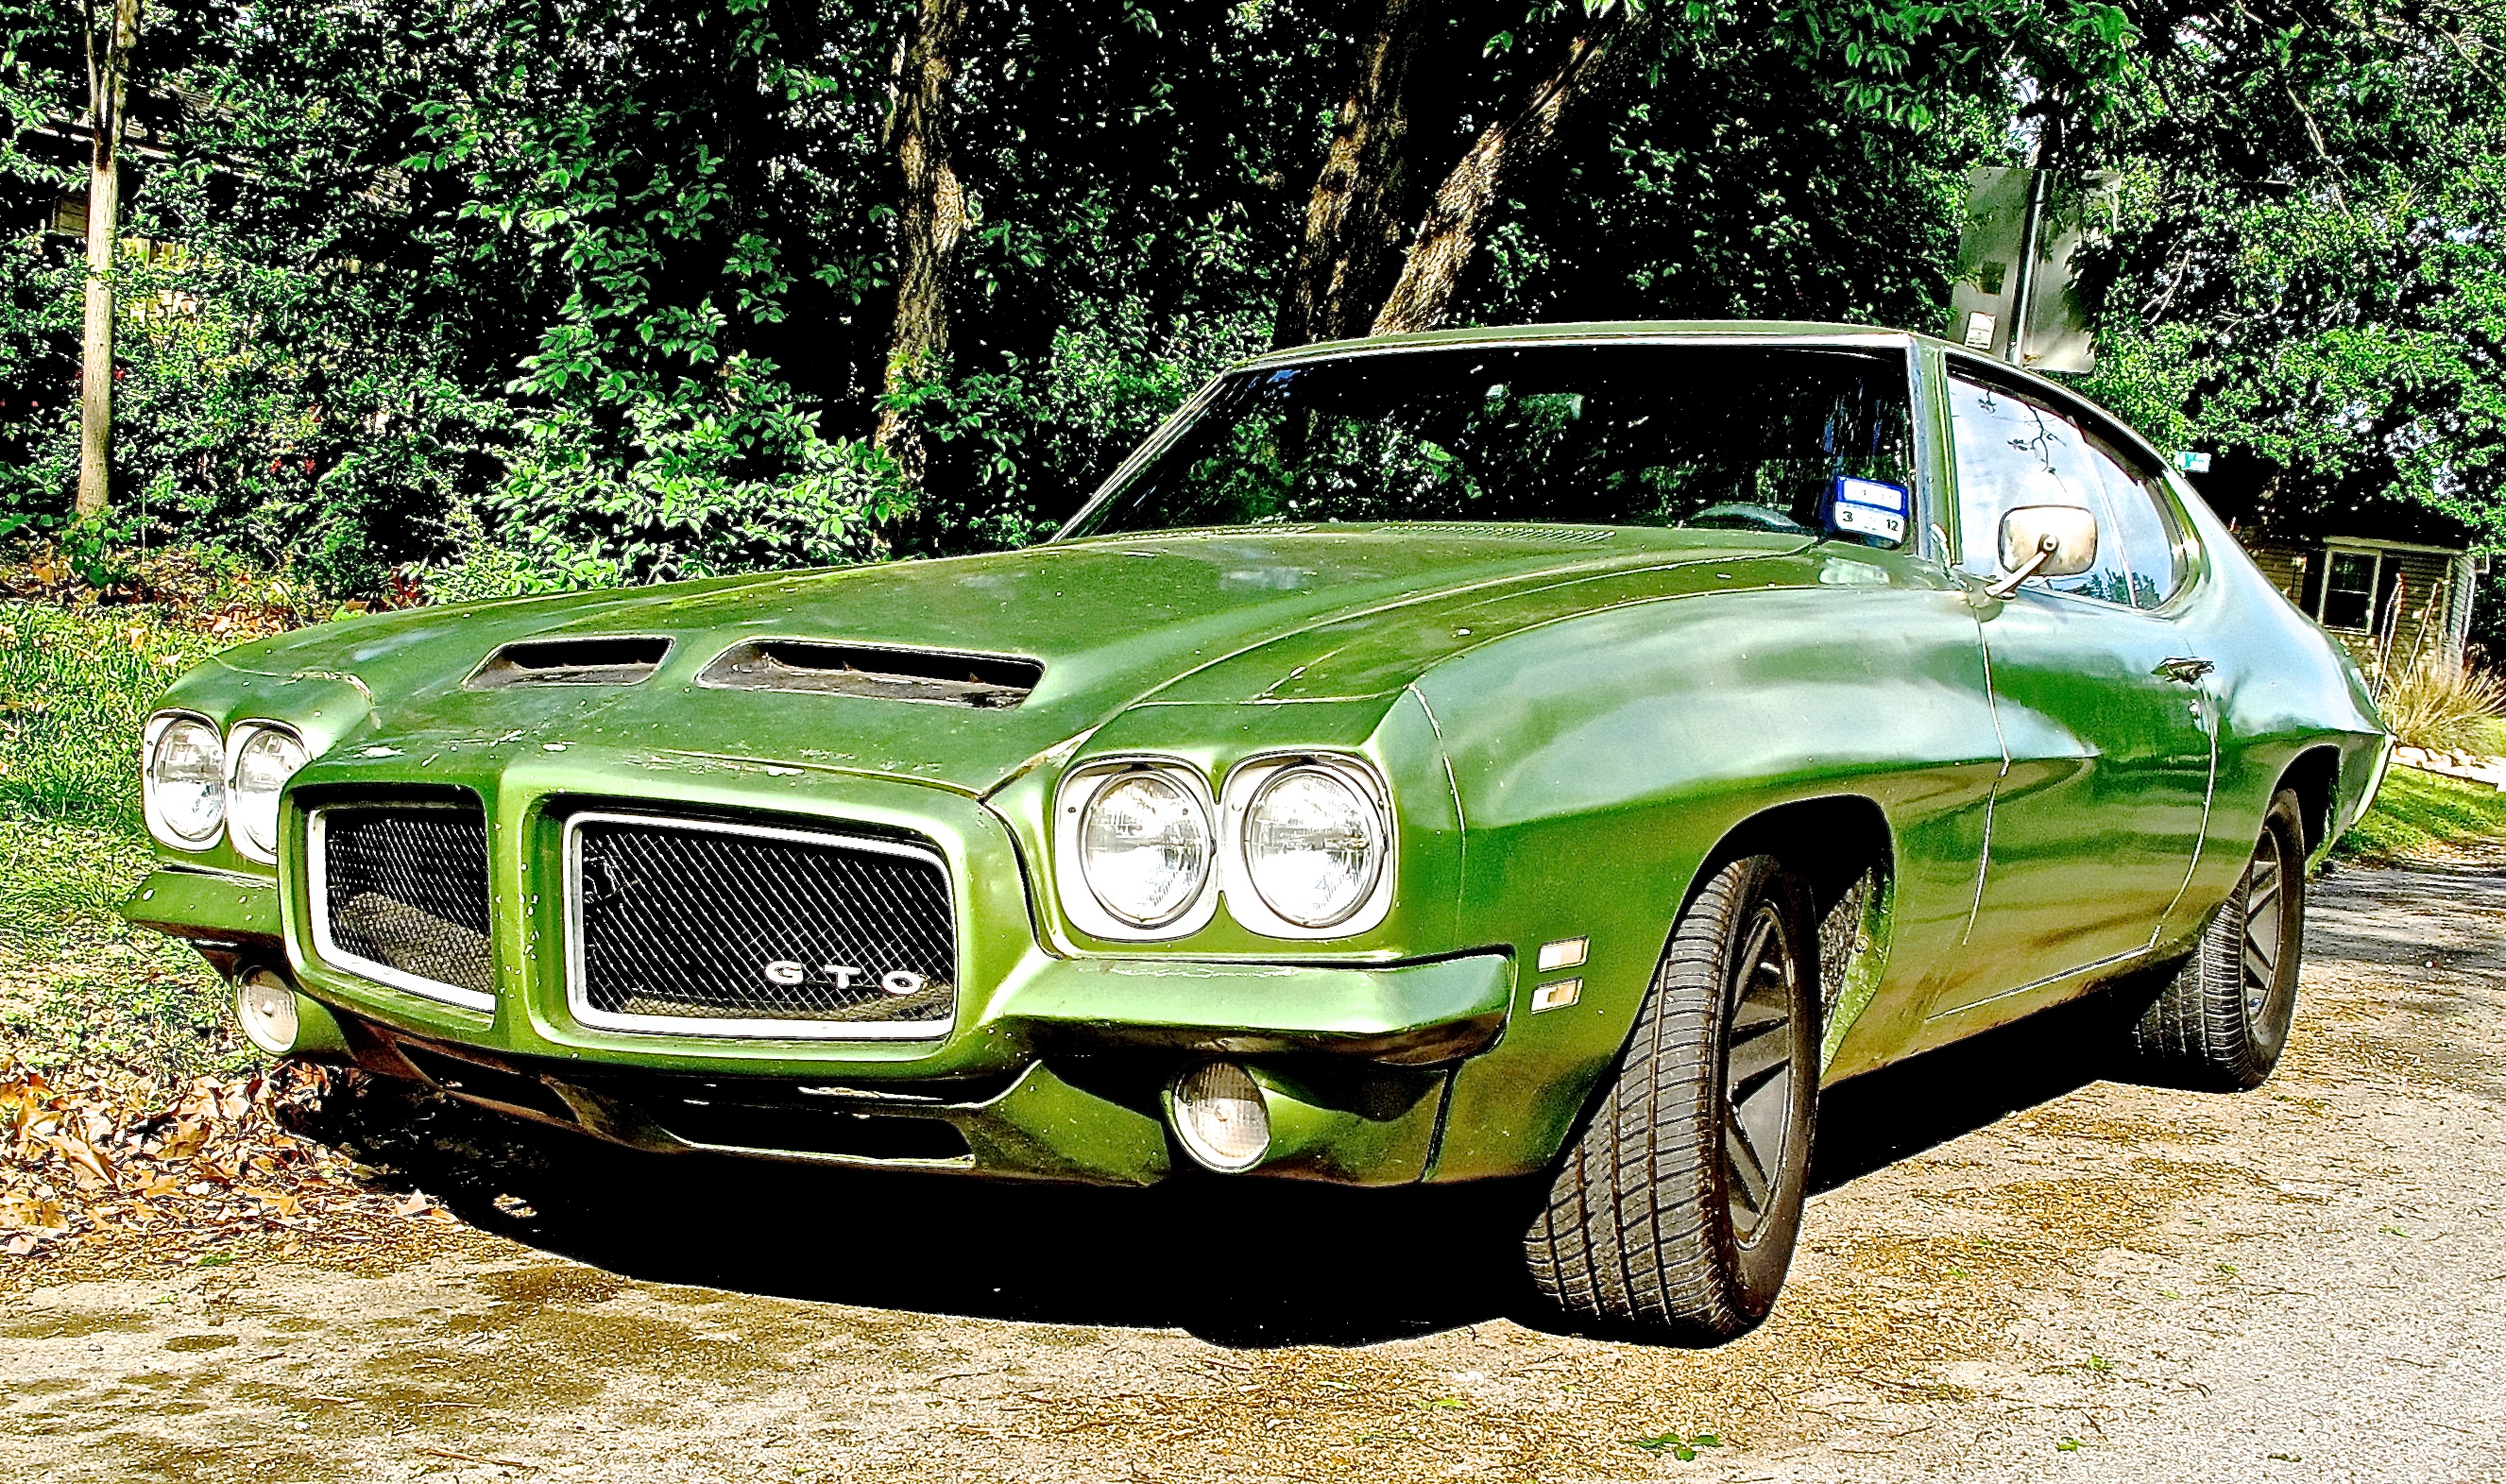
(1220, 1118)
(266, 1008)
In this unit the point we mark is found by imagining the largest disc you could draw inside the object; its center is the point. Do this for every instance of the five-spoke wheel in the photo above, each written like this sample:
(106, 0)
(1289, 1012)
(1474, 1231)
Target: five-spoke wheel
(2223, 1021)
(1675, 1212)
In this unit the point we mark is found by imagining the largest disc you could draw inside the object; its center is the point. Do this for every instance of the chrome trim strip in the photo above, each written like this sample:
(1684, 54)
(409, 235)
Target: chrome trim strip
(318, 913)
(2110, 960)
(576, 1001)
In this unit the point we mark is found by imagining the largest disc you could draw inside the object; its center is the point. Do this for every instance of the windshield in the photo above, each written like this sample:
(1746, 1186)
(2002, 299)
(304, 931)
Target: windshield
(1732, 437)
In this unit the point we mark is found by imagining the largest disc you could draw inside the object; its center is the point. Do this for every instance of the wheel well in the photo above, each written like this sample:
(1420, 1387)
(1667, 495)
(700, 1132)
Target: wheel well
(1833, 840)
(2313, 775)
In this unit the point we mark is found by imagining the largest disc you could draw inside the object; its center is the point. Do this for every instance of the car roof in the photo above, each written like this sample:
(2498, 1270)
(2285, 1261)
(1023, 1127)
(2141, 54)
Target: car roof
(1753, 331)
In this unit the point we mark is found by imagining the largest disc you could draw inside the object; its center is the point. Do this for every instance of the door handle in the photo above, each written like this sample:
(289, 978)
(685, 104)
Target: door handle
(2184, 667)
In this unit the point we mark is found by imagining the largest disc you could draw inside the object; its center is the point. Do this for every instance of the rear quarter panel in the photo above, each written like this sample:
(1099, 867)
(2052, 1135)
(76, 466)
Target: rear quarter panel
(2283, 689)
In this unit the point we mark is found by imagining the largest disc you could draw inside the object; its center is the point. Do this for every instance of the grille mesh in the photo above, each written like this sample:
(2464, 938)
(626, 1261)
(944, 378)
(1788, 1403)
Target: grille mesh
(680, 921)
(406, 888)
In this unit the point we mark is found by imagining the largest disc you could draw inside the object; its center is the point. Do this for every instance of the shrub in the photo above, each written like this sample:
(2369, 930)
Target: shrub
(2443, 704)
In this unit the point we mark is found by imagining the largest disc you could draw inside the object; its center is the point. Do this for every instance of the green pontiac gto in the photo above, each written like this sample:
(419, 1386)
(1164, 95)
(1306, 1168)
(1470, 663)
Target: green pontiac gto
(1553, 752)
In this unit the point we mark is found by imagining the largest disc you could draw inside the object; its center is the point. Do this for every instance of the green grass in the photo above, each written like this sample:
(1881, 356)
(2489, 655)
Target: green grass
(2418, 813)
(79, 987)
(74, 688)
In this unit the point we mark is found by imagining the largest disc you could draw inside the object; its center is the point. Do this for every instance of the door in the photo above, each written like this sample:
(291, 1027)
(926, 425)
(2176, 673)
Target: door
(2107, 728)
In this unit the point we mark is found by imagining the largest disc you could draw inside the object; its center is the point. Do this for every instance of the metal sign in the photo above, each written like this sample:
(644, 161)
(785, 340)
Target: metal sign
(2024, 230)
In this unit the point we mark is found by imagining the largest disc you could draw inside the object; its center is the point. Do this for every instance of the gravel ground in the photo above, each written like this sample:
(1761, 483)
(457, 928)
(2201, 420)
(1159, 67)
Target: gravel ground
(2013, 1271)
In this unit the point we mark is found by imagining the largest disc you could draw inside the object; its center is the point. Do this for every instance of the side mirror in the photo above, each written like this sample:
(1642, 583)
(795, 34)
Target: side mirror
(2045, 541)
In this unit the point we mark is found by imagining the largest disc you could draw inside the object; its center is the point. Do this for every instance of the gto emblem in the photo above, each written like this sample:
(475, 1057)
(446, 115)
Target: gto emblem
(787, 972)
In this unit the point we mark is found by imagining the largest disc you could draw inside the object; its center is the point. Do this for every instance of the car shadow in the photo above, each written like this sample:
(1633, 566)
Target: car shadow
(1247, 1264)
(1870, 1122)
(1240, 1263)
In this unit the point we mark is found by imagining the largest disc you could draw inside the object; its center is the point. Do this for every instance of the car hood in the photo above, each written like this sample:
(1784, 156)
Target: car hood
(1206, 617)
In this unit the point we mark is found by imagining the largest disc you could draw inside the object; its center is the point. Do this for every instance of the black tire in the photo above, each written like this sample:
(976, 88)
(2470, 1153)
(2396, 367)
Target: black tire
(2222, 1021)
(1674, 1214)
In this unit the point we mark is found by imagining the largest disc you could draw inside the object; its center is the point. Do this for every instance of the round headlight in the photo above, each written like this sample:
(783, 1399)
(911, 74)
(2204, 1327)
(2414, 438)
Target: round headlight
(1313, 846)
(187, 781)
(263, 765)
(1144, 848)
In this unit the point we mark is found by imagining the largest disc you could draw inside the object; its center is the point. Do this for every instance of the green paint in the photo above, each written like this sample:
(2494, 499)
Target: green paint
(1569, 725)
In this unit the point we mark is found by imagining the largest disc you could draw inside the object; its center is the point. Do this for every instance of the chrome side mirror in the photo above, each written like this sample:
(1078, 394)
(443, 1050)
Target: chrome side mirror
(2044, 541)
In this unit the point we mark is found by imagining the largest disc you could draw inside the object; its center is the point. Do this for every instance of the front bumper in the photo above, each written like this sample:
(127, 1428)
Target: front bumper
(1059, 1070)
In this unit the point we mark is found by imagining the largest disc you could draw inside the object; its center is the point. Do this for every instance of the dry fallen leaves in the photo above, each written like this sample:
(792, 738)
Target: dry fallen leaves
(190, 1166)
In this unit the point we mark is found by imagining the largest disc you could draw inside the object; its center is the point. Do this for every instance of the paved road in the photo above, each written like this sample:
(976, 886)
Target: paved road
(2013, 1271)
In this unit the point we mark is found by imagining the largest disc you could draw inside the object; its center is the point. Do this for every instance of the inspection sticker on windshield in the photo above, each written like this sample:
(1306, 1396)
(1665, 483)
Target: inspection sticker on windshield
(1869, 508)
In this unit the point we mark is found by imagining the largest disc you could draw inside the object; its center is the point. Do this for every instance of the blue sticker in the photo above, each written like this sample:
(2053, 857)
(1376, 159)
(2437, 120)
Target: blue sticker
(1867, 507)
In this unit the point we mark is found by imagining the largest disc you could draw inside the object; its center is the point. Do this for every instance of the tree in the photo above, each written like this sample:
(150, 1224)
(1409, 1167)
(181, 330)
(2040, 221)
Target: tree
(2310, 279)
(1351, 247)
(1596, 58)
(108, 83)
(931, 220)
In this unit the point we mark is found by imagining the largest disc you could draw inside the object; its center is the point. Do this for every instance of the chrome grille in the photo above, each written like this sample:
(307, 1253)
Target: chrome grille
(733, 930)
(400, 896)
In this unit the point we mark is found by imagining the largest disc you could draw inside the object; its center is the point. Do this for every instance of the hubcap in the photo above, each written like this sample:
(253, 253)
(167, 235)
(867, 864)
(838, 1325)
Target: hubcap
(1758, 1069)
(2266, 936)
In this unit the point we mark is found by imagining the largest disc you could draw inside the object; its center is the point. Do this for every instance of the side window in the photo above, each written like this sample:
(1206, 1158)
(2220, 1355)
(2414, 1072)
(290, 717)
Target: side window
(2144, 536)
(2012, 452)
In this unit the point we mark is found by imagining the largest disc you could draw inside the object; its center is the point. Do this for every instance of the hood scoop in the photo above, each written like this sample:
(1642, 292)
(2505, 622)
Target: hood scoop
(986, 681)
(607, 660)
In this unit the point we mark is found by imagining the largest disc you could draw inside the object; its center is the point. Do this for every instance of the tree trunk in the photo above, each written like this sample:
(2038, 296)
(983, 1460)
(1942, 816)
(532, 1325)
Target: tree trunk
(108, 87)
(1353, 221)
(931, 219)
(1596, 60)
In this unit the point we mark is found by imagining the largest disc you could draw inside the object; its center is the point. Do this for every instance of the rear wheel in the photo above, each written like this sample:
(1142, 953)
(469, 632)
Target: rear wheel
(2223, 1021)
(1676, 1210)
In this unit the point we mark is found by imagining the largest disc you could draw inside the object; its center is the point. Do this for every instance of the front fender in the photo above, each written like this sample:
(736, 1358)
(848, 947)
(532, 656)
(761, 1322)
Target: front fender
(1599, 762)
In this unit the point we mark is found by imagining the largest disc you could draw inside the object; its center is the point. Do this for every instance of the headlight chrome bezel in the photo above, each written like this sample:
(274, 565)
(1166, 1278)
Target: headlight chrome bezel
(152, 806)
(238, 828)
(1244, 785)
(1230, 876)
(1077, 794)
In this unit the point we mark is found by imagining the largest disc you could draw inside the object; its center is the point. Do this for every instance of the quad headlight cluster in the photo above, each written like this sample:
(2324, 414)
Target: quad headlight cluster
(195, 783)
(1298, 846)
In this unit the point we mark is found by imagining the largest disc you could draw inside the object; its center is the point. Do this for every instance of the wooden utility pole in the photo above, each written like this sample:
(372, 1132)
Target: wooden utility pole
(931, 217)
(108, 86)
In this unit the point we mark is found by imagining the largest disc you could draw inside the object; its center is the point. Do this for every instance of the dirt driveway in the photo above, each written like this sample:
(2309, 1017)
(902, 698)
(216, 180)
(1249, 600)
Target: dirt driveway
(2011, 1271)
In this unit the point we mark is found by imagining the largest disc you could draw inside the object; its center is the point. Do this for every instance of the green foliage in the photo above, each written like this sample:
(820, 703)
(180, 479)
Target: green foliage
(507, 295)
(76, 985)
(2311, 279)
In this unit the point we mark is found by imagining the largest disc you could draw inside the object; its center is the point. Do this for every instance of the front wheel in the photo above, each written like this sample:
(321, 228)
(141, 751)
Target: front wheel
(2223, 1021)
(1675, 1212)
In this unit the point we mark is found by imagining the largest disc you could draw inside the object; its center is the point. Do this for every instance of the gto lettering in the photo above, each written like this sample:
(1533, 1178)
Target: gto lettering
(789, 972)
